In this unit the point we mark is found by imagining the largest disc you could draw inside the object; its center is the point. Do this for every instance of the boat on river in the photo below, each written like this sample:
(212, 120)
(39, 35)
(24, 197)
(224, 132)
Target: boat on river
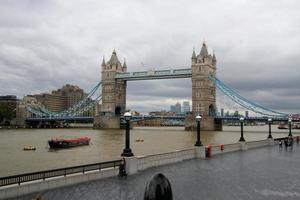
(29, 148)
(67, 143)
(283, 126)
(295, 125)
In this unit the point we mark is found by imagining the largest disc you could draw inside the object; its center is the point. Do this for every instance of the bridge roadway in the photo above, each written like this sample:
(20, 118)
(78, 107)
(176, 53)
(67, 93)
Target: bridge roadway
(145, 117)
(257, 174)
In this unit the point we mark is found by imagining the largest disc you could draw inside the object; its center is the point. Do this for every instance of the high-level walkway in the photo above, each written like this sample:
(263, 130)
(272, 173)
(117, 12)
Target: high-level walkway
(263, 173)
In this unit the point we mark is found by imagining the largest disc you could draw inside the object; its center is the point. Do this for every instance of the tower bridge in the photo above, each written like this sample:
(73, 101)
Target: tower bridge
(114, 84)
(113, 87)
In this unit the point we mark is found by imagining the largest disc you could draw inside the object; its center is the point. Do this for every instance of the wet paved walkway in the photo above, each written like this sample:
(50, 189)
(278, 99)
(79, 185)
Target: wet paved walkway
(264, 173)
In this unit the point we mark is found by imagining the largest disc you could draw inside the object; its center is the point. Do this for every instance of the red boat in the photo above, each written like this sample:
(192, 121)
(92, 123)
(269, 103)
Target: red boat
(283, 126)
(67, 143)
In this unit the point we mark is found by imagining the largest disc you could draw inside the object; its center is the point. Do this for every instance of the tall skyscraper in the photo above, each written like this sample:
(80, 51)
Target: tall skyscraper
(173, 108)
(222, 112)
(246, 113)
(178, 108)
(186, 106)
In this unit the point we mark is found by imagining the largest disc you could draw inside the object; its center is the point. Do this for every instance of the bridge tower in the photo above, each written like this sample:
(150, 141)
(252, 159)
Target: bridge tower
(113, 94)
(203, 90)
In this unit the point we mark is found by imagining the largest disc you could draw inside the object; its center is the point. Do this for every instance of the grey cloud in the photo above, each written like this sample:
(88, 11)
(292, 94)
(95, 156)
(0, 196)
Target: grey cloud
(45, 44)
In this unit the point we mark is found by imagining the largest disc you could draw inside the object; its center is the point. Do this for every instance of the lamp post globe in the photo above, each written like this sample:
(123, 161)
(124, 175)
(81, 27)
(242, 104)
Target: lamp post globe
(242, 139)
(290, 127)
(127, 151)
(198, 119)
(270, 122)
(127, 116)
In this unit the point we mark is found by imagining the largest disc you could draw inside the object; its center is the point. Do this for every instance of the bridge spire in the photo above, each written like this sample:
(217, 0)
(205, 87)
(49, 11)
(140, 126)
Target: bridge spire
(194, 57)
(103, 61)
(114, 58)
(124, 66)
(214, 59)
(204, 52)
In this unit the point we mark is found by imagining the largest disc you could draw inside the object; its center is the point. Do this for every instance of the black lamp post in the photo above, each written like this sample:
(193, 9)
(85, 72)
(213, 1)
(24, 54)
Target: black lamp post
(127, 151)
(242, 131)
(198, 142)
(270, 122)
(290, 127)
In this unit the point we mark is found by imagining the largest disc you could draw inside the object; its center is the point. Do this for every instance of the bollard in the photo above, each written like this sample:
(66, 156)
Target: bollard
(222, 147)
(158, 188)
(209, 147)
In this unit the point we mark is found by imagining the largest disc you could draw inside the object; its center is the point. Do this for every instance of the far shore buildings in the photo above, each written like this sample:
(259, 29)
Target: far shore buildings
(178, 109)
(60, 99)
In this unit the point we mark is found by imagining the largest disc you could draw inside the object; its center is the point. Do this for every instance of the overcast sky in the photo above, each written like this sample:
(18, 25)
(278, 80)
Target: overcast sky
(45, 44)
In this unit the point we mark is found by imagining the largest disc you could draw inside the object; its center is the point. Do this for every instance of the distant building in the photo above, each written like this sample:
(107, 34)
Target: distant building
(61, 99)
(161, 113)
(21, 112)
(135, 113)
(246, 113)
(236, 113)
(227, 114)
(222, 112)
(173, 108)
(177, 108)
(186, 106)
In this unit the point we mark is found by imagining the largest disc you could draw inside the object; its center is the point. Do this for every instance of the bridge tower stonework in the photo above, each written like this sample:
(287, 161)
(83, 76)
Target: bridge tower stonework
(203, 91)
(113, 94)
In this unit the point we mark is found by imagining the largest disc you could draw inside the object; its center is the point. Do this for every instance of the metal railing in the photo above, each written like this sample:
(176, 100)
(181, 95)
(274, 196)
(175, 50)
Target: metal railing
(43, 175)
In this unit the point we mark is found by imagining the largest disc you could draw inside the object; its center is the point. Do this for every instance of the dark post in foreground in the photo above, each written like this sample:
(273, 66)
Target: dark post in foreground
(270, 122)
(242, 131)
(158, 188)
(198, 142)
(290, 127)
(127, 151)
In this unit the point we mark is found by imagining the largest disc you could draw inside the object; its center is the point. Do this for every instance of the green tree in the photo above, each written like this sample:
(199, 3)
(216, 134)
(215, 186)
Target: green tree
(6, 112)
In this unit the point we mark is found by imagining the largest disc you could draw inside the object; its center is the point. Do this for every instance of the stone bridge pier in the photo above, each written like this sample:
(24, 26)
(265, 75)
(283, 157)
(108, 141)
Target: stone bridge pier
(113, 94)
(203, 91)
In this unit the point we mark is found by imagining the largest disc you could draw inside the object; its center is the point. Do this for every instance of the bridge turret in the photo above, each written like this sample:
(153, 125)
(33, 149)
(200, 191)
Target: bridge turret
(214, 60)
(114, 63)
(204, 52)
(194, 57)
(204, 56)
(124, 69)
(103, 64)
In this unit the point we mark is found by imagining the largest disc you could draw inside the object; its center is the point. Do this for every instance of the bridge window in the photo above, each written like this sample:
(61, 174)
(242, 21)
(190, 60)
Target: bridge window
(211, 110)
(118, 110)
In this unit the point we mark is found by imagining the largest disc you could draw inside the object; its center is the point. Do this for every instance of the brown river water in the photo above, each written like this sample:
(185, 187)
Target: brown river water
(108, 144)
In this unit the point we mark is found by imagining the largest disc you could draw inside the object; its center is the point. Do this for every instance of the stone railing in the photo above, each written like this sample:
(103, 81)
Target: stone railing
(144, 162)
(256, 144)
(217, 149)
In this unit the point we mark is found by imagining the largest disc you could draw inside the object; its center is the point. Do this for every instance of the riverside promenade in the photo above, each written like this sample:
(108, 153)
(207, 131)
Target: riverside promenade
(259, 173)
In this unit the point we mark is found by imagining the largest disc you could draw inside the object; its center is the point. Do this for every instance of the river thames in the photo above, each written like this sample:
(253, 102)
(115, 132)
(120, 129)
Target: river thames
(108, 144)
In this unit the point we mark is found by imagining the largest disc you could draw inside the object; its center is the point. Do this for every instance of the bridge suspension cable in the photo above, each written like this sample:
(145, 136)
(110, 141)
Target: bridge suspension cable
(83, 105)
(245, 102)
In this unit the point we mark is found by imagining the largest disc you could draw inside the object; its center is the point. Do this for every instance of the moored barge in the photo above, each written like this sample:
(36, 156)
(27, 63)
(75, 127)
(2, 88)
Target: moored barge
(67, 143)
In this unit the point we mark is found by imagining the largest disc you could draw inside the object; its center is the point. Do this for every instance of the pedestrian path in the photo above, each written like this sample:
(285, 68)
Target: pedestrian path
(262, 173)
